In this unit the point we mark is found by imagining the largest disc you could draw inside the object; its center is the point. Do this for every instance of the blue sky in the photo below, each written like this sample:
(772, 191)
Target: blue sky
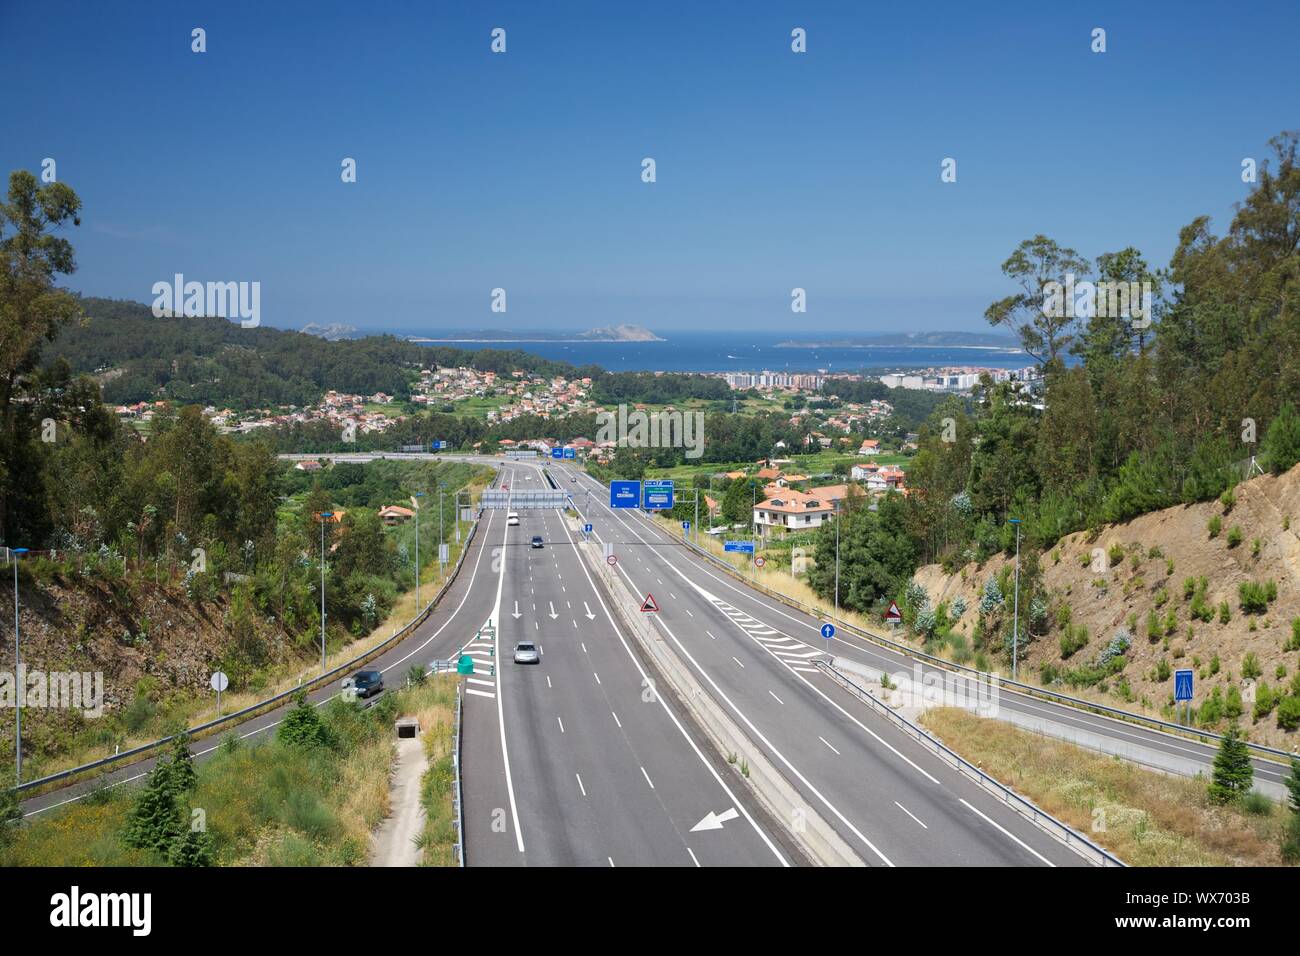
(522, 170)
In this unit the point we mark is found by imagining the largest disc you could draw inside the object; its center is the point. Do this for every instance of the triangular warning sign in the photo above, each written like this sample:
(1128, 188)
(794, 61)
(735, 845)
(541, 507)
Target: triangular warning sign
(649, 603)
(893, 614)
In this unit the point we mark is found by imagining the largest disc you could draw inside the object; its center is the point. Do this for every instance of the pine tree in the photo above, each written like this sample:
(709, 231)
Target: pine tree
(182, 775)
(155, 820)
(1233, 771)
(193, 849)
(1293, 785)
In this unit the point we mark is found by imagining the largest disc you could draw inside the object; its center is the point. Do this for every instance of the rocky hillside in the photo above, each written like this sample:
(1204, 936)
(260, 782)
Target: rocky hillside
(1212, 587)
(154, 644)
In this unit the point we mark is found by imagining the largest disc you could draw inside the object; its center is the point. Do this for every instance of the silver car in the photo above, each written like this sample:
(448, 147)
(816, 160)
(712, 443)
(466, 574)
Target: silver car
(526, 653)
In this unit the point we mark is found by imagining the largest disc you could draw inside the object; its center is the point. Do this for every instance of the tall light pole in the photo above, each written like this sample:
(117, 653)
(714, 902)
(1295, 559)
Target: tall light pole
(18, 676)
(416, 506)
(442, 485)
(324, 516)
(1015, 619)
(836, 519)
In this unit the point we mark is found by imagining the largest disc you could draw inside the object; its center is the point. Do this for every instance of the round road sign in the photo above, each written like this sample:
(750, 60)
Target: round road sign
(828, 631)
(219, 681)
(759, 561)
(612, 560)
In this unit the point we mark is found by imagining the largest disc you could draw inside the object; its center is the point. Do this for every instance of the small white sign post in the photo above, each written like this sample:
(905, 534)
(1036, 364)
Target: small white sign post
(219, 682)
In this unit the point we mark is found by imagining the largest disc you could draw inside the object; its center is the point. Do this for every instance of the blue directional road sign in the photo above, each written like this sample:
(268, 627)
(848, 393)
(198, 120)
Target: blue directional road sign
(625, 494)
(557, 452)
(658, 495)
(744, 547)
(569, 452)
(686, 526)
(437, 445)
(828, 631)
(1183, 685)
(586, 528)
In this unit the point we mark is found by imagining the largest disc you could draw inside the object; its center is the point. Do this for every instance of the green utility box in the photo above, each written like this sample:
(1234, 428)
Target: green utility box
(465, 665)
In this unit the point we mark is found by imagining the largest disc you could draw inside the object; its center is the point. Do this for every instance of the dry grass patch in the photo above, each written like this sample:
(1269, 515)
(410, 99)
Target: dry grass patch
(1149, 818)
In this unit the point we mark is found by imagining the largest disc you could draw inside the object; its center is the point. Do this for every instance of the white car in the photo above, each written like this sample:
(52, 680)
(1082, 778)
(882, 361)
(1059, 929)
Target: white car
(512, 519)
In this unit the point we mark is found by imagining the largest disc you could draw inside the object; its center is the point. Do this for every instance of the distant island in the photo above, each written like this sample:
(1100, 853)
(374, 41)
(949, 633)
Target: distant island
(332, 332)
(929, 340)
(609, 333)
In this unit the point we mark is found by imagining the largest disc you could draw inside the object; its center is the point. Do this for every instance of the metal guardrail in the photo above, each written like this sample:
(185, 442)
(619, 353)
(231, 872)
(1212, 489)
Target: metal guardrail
(1026, 808)
(455, 765)
(238, 716)
(1076, 703)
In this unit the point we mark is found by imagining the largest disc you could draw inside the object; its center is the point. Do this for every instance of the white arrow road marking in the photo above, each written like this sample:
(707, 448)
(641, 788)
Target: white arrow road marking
(553, 614)
(590, 616)
(516, 615)
(714, 821)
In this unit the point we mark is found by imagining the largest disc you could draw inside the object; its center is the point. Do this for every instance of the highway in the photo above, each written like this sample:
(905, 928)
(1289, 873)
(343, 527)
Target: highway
(638, 530)
(577, 760)
(891, 799)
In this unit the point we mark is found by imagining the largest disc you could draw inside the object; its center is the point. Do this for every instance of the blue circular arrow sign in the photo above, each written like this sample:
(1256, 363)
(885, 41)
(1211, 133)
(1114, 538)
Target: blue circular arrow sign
(828, 631)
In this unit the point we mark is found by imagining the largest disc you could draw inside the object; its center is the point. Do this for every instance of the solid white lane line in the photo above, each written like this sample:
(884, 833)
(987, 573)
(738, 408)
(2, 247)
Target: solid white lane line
(595, 675)
(693, 857)
(911, 814)
(647, 778)
(580, 786)
(616, 720)
(828, 744)
(777, 699)
(736, 659)
(1010, 834)
(561, 723)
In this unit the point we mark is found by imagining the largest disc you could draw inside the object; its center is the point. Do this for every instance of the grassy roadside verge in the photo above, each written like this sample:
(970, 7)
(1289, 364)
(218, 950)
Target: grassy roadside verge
(1143, 817)
(437, 789)
(309, 796)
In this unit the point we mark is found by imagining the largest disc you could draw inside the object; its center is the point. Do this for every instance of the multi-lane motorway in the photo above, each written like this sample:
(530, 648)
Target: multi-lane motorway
(582, 760)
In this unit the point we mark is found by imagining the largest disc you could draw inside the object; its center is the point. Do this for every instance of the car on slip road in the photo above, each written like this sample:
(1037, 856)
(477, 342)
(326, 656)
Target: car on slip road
(526, 653)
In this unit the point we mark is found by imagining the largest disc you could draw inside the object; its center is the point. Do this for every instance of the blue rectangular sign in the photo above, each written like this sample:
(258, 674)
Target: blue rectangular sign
(1183, 685)
(625, 494)
(744, 547)
(557, 452)
(569, 452)
(437, 445)
(658, 494)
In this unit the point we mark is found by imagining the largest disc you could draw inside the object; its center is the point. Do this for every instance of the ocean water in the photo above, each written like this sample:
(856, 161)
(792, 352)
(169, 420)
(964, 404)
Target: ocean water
(724, 352)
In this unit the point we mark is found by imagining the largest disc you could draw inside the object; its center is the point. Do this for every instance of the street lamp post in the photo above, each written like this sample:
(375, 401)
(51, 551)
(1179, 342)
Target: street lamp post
(18, 676)
(324, 516)
(1015, 619)
(418, 494)
(442, 485)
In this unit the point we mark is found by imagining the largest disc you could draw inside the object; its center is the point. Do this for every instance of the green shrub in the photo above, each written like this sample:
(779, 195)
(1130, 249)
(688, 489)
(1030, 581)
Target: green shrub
(1214, 526)
(1254, 596)
(1234, 536)
(1250, 666)
(1288, 713)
